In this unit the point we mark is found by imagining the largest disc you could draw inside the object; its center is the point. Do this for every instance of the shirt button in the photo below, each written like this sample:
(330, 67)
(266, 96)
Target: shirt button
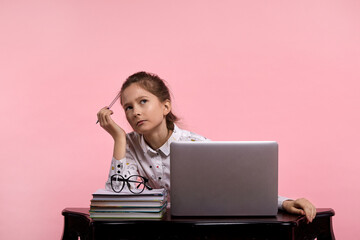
(150, 166)
(119, 166)
(118, 171)
(159, 178)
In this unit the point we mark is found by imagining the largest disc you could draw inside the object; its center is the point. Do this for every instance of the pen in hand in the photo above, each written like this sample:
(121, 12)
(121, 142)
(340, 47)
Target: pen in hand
(112, 103)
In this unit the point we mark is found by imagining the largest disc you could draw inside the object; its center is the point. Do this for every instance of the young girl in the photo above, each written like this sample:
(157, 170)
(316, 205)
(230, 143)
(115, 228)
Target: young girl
(146, 151)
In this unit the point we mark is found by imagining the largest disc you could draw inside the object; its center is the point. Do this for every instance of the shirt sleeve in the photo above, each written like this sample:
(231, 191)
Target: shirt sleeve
(125, 167)
(281, 200)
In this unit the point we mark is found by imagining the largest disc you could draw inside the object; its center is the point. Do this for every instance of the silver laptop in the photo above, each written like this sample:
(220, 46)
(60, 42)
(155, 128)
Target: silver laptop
(224, 178)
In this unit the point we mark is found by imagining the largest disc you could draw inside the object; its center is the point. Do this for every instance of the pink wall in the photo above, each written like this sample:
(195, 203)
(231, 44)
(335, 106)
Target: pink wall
(239, 70)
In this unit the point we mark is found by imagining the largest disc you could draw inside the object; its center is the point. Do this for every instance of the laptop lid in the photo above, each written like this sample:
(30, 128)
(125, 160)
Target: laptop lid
(224, 178)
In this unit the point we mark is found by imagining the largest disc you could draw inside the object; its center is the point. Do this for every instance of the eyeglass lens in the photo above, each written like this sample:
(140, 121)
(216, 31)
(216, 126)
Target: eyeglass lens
(117, 183)
(136, 184)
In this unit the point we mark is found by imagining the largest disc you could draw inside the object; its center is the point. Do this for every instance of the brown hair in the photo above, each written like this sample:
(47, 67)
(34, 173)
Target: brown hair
(154, 84)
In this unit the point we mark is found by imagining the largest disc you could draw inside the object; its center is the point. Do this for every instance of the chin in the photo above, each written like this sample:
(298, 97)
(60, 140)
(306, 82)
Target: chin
(148, 128)
(141, 130)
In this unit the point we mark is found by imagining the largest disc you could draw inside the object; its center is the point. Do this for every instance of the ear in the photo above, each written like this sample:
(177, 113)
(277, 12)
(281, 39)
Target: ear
(167, 107)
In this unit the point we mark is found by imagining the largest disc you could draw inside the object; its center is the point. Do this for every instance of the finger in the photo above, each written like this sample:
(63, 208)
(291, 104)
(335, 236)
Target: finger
(310, 211)
(297, 211)
(99, 117)
(99, 114)
(313, 213)
(108, 119)
(308, 217)
(302, 212)
(102, 115)
(103, 120)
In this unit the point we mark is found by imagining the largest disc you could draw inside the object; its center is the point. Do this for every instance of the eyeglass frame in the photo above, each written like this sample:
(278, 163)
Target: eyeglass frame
(126, 181)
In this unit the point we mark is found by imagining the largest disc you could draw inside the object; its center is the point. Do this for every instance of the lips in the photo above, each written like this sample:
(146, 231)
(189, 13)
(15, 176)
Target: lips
(140, 122)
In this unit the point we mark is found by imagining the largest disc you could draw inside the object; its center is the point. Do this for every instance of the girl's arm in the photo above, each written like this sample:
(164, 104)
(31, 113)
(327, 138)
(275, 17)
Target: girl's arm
(123, 161)
(125, 166)
(119, 148)
(117, 133)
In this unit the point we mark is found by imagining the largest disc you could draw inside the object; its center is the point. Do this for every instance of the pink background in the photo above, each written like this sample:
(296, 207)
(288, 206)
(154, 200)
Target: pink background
(239, 70)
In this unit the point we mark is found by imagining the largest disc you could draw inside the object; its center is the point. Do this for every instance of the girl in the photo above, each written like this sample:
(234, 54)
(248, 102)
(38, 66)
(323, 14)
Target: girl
(146, 151)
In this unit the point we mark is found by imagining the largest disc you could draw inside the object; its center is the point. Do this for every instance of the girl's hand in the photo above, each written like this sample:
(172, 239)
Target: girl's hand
(109, 125)
(300, 206)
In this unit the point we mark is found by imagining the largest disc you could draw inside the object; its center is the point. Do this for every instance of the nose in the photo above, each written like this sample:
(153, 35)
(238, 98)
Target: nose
(136, 111)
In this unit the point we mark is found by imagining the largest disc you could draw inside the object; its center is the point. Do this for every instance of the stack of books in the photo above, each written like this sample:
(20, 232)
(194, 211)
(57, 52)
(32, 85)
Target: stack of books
(108, 205)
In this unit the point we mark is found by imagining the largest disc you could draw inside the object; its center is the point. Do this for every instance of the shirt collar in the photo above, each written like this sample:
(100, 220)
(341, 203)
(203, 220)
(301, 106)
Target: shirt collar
(165, 149)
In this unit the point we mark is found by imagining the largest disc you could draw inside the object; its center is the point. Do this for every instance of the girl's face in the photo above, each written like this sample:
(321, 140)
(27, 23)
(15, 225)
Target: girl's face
(143, 110)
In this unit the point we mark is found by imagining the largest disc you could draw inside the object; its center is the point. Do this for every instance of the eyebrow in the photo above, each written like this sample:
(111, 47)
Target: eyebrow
(126, 104)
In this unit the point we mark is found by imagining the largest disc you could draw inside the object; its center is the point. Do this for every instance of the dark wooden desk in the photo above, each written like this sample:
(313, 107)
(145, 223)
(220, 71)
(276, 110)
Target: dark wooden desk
(283, 226)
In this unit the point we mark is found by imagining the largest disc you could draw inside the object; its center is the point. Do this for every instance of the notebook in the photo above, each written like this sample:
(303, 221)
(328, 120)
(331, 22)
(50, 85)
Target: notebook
(224, 178)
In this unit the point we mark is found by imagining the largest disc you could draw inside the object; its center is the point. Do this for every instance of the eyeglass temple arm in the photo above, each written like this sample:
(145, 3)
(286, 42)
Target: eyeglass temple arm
(146, 185)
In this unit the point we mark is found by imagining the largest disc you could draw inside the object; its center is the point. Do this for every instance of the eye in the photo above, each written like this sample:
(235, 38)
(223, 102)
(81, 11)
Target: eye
(143, 101)
(128, 108)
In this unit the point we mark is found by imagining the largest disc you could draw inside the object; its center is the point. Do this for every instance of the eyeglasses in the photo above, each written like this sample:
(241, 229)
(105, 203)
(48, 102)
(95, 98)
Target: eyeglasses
(135, 183)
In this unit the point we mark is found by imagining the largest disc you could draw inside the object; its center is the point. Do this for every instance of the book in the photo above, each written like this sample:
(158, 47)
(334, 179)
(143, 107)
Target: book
(133, 203)
(148, 195)
(127, 215)
(125, 209)
(128, 198)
